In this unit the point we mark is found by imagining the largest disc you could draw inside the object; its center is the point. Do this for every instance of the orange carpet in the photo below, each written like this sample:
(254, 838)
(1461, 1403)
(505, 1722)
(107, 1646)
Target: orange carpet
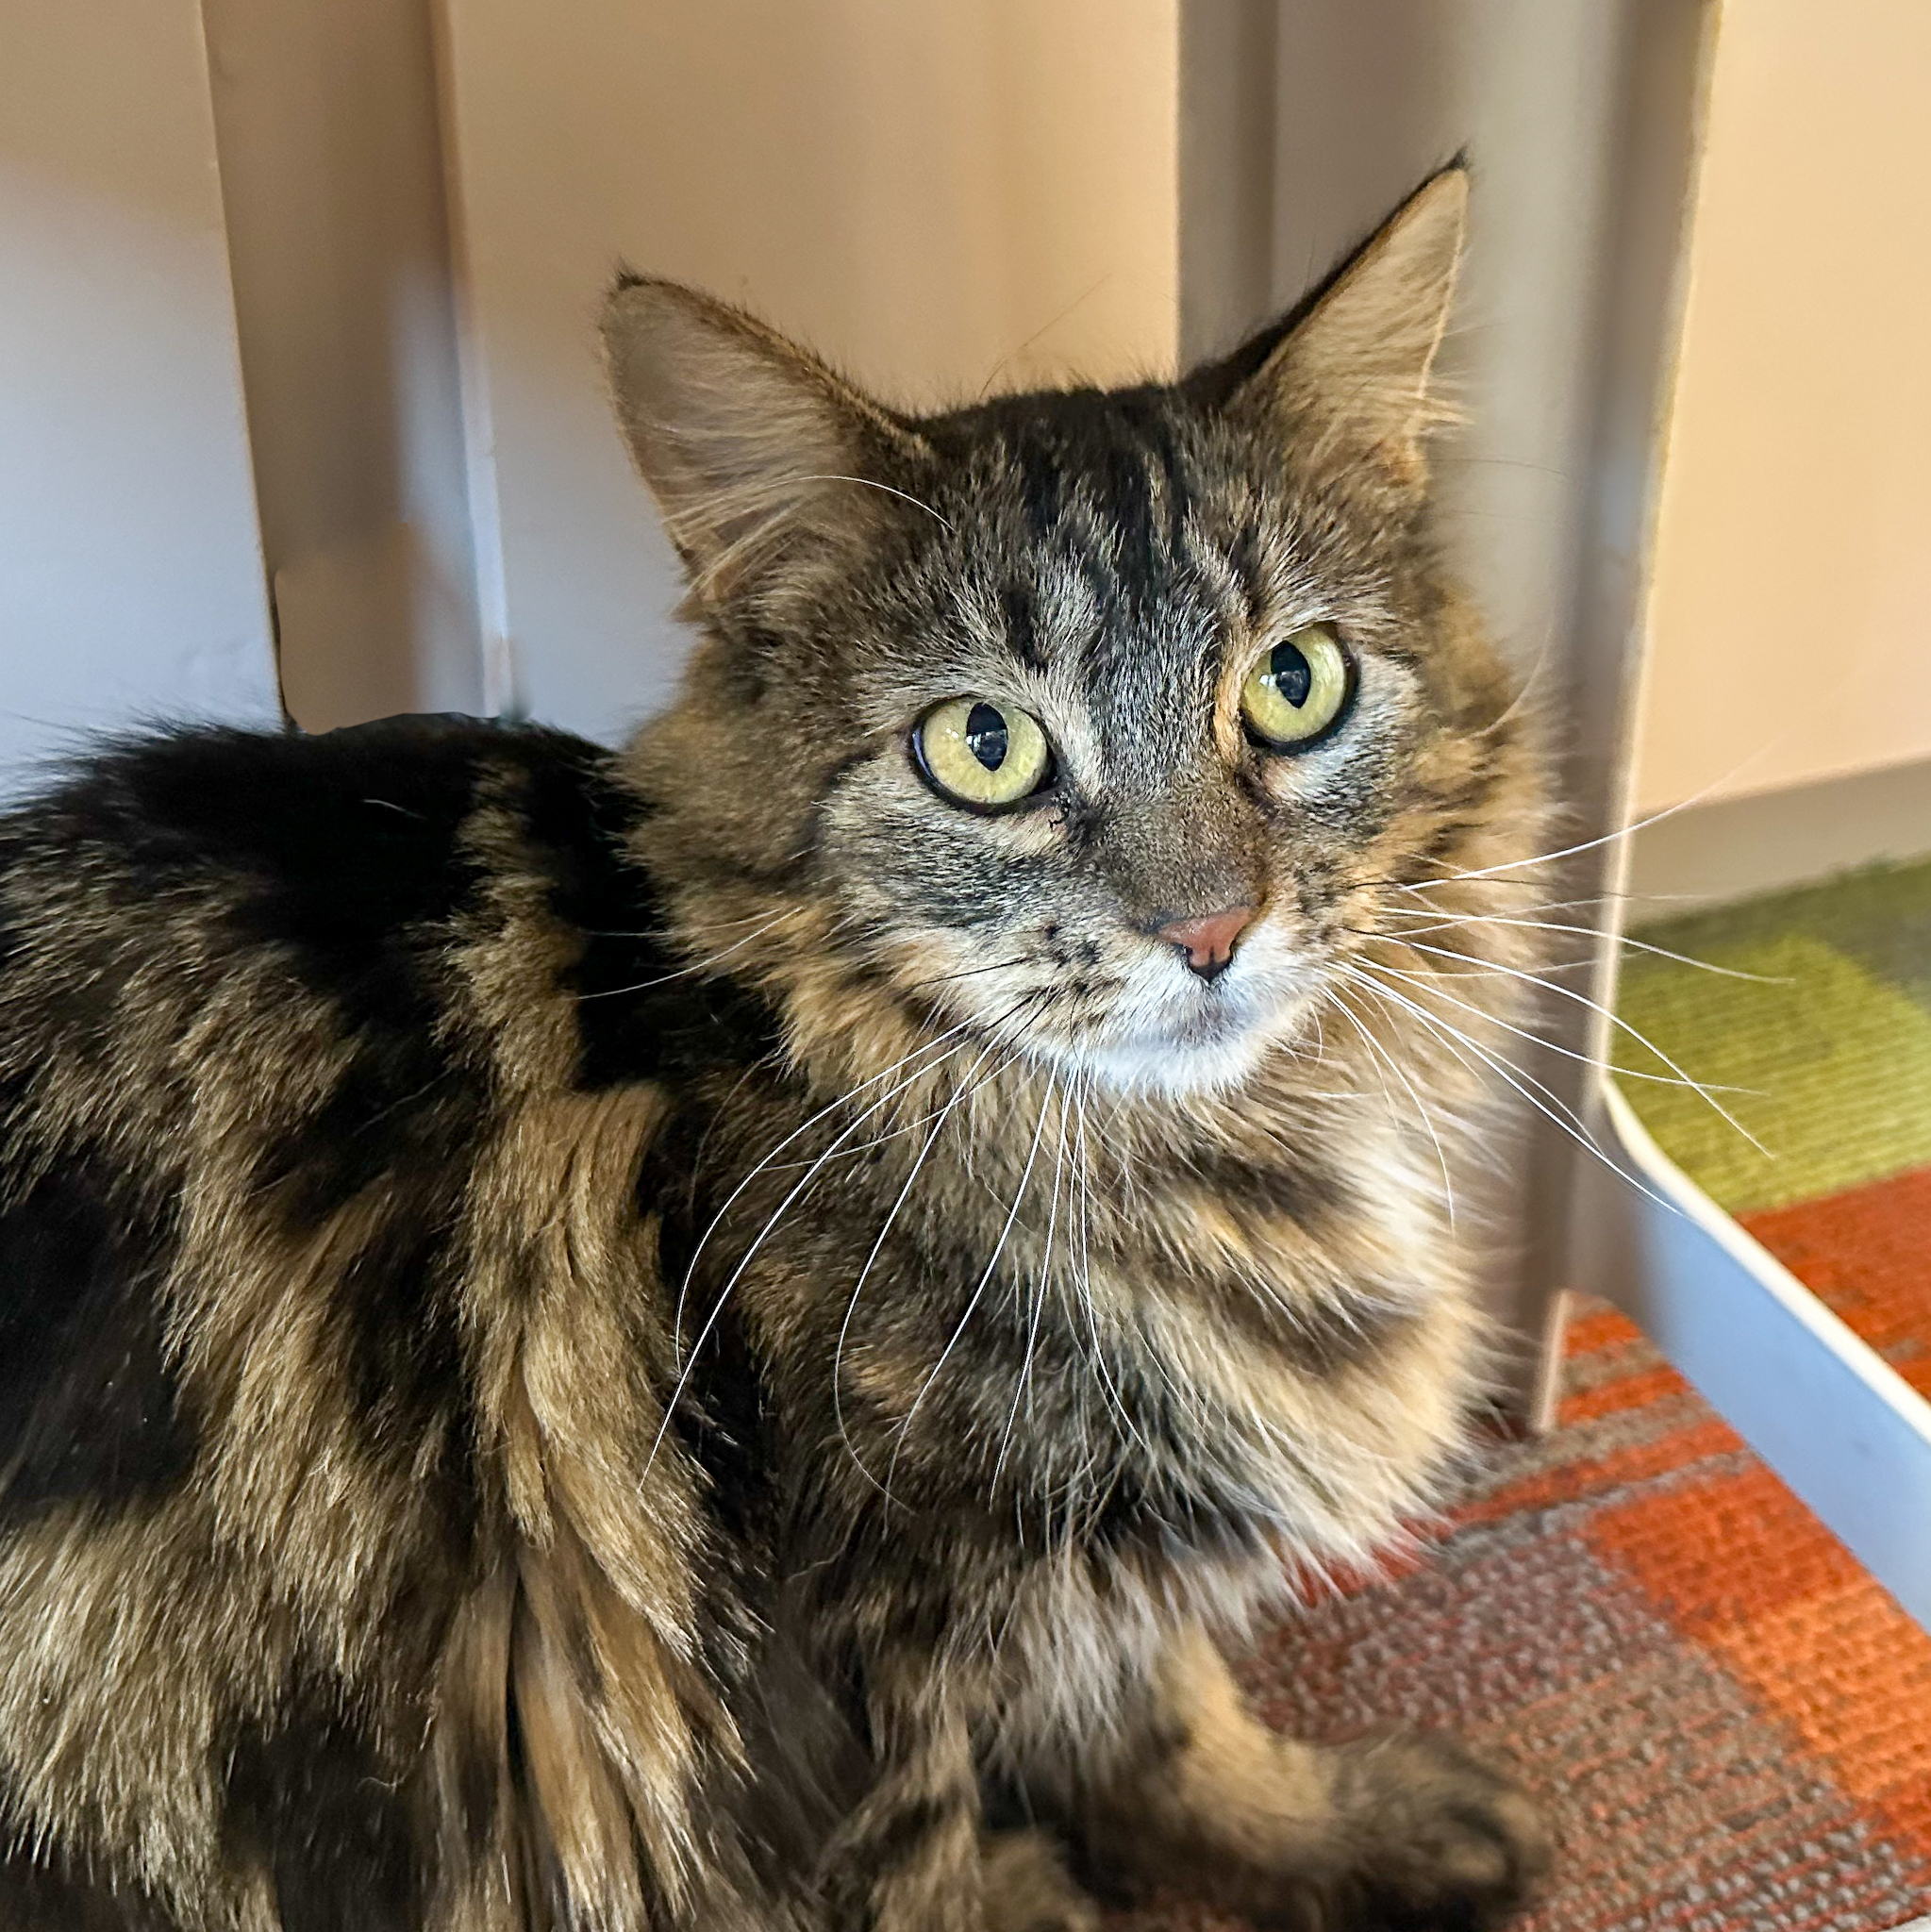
(1866, 1253)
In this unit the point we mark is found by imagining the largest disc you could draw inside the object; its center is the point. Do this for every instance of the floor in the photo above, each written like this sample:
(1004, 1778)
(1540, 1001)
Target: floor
(1819, 1021)
(1728, 1721)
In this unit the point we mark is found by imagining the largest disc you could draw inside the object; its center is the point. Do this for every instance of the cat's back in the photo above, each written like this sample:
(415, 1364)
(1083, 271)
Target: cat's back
(236, 988)
(338, 853)
(339, 884)
(256, 988)
(327, 1065)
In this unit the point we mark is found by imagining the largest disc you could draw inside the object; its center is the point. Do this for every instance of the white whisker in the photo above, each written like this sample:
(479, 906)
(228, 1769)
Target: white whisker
(1450, 922)
(1429, 984)
(745, 1259)
(1614, 1018)
(1374, 1047)
(877, 1247)
(1037, 1300)
(1565, 1117)
(999, 1248)
(610, 992)
(843, 1100)
(871, 483)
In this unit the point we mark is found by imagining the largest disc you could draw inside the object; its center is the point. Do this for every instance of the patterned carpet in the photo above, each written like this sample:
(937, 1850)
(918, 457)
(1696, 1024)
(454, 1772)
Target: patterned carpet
(1832, 1041)
(1730, 1721)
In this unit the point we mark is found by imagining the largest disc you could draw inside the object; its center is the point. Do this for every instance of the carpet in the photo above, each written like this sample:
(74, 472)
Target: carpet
(1829, 1038)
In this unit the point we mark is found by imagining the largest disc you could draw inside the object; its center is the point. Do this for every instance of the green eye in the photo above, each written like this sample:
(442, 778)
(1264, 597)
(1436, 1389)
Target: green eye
(978, 754)
(1298, 691)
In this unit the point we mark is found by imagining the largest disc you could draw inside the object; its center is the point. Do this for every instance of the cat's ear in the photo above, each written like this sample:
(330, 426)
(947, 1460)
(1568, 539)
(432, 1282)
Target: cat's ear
(1351, 372)
(755, 450)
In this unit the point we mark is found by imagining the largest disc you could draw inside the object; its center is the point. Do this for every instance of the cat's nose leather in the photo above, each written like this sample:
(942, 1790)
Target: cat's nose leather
(1208, 942)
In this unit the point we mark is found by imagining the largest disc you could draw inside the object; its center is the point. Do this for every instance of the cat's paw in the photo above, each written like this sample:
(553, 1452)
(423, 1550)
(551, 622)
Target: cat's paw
(1027, 1888)
(1444, 1843)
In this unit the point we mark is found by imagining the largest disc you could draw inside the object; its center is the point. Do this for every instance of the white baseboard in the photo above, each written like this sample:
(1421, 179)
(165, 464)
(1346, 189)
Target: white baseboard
(1734, 848)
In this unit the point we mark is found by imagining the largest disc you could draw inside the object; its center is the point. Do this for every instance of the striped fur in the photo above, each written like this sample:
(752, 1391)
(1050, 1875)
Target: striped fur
(684, 1338)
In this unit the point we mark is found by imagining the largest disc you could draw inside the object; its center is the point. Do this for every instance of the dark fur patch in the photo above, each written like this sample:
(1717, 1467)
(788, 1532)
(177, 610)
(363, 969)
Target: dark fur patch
(90, 1412)
(312, 1802)
(642, 1012)
(339, 849)
(51, 1896)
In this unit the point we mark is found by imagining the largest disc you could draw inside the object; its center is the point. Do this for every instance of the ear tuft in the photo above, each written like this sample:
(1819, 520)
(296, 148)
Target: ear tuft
(750, 443)
(1355, 371)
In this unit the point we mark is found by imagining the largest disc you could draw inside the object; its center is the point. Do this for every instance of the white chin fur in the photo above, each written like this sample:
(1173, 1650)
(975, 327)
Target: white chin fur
(1173, 1037)
(1171, 1069)
(1182, 1042)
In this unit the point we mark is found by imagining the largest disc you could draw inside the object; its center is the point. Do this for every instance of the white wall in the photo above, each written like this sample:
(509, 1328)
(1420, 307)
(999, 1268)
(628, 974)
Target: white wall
(941, 197)
(1790, 630)
(130, 565)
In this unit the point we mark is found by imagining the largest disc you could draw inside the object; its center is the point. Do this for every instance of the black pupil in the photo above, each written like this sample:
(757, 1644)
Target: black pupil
(1290, 674)
(985, 735)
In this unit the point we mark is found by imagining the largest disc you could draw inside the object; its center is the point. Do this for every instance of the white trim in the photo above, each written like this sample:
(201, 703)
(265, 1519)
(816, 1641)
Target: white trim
(1769, 842)
(1837, 1423)
(499, 669)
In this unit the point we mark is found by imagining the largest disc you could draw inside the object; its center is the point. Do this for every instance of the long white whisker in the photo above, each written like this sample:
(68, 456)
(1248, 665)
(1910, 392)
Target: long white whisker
(843, 1100)
(1572, 1125)
(1085, 1281)
(1381, 1053)
(871, 483)
(1037, 1300)
(1449, 921)
(877, 1247)
(610, 993)
(999, 1248)
(1430, 984)
(745, 1259)
(1654, 817)
(1582, 999)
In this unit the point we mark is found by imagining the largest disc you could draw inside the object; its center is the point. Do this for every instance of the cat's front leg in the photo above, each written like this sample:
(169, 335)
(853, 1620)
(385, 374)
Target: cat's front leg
(1405, 1831)
(907, 1859)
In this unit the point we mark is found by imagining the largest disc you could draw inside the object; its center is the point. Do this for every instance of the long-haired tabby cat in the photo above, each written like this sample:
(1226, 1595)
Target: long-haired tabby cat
(709, 1337)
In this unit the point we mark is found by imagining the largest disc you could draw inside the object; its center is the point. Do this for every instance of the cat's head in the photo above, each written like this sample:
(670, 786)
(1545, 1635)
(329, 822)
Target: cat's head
(1099, 719)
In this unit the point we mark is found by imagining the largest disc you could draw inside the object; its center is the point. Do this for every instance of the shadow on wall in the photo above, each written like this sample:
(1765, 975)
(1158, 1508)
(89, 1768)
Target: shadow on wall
(331, 166)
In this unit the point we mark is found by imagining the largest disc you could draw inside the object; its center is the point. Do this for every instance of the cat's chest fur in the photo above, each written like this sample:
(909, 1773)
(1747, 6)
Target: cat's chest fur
(1159, 1363)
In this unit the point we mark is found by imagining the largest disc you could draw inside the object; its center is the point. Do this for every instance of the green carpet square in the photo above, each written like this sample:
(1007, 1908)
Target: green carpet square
(1839, 1060)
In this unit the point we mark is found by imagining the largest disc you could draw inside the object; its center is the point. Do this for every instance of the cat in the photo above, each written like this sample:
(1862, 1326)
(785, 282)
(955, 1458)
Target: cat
(716, 1335)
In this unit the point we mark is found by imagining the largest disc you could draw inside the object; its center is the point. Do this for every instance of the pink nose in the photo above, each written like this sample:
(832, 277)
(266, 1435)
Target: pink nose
(1208, 942)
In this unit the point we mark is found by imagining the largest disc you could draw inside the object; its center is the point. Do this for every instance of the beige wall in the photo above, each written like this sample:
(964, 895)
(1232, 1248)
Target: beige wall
(1790, 631)
(130, 562)
(941, 196)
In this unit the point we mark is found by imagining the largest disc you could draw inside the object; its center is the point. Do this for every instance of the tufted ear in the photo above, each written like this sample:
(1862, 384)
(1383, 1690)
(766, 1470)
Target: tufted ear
(755, 450)
(1352, 371)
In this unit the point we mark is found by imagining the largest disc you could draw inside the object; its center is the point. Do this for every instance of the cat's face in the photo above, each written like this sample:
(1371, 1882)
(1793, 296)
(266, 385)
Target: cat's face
(1103, 718)
(1124, 744)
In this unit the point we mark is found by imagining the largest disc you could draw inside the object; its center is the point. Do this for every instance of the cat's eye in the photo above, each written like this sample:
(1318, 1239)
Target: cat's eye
(1298, 691)
(987, 756)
